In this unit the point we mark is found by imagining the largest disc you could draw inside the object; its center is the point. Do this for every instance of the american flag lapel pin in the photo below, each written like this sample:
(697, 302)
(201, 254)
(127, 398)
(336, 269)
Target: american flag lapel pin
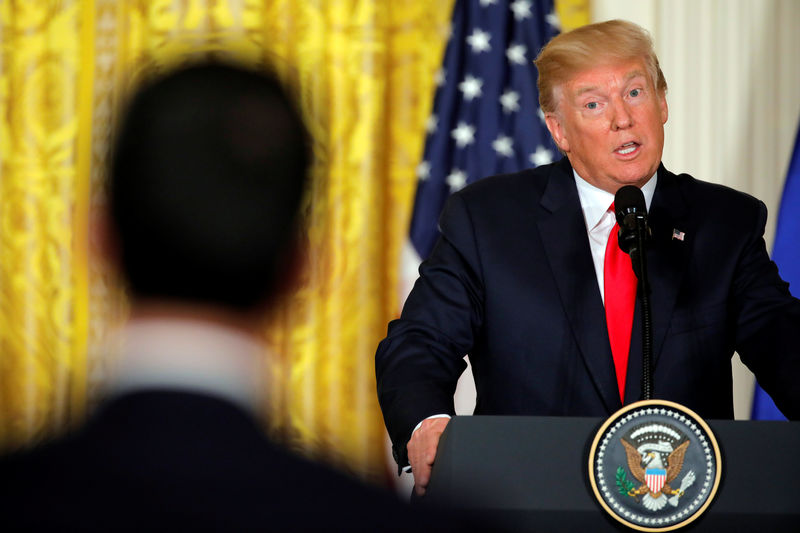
(677, 234)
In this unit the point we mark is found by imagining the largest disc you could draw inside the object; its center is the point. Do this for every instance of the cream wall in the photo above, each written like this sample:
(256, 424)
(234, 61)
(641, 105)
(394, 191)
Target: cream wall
(733, 72)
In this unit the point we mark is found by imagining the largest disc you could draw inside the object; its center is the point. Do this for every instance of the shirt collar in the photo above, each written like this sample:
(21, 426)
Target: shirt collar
(189, 355)
(595, 202)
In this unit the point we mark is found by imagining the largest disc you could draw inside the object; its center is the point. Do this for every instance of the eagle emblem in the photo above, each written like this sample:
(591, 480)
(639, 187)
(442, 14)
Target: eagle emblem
(655, 453)
(654, 465)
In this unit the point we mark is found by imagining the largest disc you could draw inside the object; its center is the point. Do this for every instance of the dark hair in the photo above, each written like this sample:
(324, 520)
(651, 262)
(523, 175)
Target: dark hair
(207, 175)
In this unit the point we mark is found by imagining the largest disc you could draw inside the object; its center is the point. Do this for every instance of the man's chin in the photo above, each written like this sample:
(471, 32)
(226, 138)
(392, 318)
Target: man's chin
(637, 178)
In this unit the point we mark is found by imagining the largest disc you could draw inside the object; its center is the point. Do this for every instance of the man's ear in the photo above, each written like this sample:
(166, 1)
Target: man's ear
(662, 102)
(293, 273)
(103, 239)
(553, 123)
(297, 263)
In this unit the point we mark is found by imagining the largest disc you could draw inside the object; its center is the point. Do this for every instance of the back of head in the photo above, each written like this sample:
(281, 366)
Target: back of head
(207, 175)
(588, 46)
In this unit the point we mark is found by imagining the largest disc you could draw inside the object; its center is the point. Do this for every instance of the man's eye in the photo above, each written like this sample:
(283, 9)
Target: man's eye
(635, 92)
(591, 105)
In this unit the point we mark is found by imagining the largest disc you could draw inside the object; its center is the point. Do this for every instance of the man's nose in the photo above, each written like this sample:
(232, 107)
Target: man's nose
(621, 117)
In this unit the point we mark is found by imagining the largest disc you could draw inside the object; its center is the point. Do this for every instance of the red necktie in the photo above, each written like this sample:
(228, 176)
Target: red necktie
(620, 297)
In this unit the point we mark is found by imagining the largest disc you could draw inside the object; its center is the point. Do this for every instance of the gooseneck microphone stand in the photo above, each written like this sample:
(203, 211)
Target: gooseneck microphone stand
(634, 234)
(639, 259)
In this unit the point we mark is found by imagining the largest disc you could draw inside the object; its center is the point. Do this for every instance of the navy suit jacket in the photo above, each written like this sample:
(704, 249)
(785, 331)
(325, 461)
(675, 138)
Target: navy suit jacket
(511, 283)
(177, 461)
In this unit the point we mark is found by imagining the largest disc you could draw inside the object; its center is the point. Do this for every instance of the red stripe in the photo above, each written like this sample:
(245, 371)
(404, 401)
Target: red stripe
(655, 482)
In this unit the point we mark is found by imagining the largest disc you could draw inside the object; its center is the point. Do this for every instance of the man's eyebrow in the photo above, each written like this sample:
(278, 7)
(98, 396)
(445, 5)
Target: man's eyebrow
(635, 74)
(628, 77)
(586, 89)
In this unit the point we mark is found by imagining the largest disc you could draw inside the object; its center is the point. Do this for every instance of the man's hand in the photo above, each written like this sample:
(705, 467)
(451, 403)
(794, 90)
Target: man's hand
(422, 450)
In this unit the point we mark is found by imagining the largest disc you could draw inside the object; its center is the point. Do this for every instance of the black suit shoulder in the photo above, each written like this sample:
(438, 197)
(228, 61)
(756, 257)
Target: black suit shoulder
(710, 213)
(522, 185)
(712, 198)
(503, 202)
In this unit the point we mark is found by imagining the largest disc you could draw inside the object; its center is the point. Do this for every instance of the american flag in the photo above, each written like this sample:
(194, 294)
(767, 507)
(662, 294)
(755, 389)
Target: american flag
(486, 118)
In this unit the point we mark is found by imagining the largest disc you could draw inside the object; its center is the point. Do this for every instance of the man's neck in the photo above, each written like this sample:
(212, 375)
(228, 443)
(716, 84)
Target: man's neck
(191, 349)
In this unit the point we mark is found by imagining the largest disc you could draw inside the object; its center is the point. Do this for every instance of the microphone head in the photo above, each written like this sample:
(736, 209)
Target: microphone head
(629, 200)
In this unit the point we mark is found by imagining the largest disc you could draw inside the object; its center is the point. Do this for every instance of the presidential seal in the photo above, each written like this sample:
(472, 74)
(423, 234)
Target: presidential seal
(655, 465)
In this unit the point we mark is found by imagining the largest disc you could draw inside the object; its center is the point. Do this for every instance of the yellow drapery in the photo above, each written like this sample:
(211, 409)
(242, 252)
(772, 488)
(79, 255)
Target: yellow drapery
(363, 71)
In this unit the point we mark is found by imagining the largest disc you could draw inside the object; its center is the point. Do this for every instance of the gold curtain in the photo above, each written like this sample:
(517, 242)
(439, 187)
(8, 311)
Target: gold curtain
(573, 13)
(44, 149)
(363, 71)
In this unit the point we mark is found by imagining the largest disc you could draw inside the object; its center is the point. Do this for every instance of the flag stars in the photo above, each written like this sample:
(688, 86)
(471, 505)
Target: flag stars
(542, 156)
(504, 146)
(456, 180)
(552, 19)
(521, 9)
(479, 41)
(540, 114)
(423, 171)
(510, 101)
(516, 54)
(464, 94)
(471, 87)
(432, 124)
(464, 134)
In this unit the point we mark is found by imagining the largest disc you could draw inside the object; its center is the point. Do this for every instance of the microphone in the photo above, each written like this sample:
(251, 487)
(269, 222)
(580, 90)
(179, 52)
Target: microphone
(631, 213)
(634, 234)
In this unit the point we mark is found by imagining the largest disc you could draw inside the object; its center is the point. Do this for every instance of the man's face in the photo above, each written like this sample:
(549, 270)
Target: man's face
(610, 123)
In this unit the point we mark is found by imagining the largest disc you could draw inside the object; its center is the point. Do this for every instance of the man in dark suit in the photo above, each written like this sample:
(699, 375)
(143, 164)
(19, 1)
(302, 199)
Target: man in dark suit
(208, 174)
(522, 282)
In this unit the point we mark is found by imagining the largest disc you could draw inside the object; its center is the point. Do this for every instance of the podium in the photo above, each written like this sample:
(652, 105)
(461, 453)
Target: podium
(531, 474)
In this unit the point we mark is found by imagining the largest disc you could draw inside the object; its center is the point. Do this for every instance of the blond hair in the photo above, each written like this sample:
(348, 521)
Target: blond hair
(585, 47)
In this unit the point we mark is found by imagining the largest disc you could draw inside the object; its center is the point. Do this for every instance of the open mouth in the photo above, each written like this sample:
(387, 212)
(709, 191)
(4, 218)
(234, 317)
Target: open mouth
(627, 148)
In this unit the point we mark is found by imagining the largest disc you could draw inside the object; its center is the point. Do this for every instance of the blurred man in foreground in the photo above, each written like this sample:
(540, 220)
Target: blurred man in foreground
(528, 279)
(209, 169)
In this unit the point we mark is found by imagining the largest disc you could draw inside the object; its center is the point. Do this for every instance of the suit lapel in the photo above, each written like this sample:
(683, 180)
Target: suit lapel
(667, 258)
(566, 244)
